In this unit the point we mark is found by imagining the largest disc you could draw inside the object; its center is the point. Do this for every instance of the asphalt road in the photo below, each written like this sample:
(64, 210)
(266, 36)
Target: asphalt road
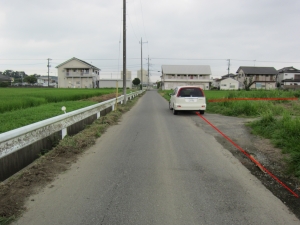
(156, 168)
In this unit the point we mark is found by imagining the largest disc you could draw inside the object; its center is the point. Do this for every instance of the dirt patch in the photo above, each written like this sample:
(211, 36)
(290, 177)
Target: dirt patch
(18, 188)
(263, 150)
(102, 98)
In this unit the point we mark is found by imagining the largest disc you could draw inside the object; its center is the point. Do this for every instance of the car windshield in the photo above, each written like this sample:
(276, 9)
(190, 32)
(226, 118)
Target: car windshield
(190, 92)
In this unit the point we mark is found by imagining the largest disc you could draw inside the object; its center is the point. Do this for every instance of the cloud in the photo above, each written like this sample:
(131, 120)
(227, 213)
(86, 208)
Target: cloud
(192, 29)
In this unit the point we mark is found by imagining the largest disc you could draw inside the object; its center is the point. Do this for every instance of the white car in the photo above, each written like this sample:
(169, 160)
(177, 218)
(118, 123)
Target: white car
(187, 98)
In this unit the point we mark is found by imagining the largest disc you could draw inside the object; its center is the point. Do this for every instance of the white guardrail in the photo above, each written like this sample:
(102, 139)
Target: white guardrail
(19, 138)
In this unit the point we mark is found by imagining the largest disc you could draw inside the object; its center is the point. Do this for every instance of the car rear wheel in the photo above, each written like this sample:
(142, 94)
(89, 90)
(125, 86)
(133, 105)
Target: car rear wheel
(174, 111)
(202, 112)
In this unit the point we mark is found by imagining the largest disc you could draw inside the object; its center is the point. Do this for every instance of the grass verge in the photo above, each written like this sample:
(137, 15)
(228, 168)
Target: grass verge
(17, 189)
(284, 133)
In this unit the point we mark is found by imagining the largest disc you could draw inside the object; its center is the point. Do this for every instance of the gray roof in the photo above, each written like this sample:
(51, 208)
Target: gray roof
(258, 70)
(186, 69)
(229, 75)
(4, 78)
(94, 67)
(289, 69)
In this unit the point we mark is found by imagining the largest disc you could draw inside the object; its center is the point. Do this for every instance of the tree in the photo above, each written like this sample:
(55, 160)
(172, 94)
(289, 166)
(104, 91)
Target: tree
(136, 81)
(30, 79)
(248, 82)
(158, 84)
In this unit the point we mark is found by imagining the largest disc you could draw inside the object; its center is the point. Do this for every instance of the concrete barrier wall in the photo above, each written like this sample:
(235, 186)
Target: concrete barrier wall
(20, 147)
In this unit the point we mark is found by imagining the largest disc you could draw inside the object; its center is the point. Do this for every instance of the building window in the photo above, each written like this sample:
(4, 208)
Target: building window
(77, 82)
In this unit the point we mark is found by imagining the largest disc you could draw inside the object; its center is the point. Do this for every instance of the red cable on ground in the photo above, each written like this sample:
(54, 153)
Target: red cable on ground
(248, 155)
(253, 99)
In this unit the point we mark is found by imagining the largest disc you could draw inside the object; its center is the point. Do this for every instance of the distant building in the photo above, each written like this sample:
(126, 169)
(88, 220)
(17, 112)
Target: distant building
(128, 75)
(43, 81)
(258, 77)
(144, 78)
(182, 75)
(76, 73)
(5, 78)
(231, 75)
(112, 83)
(229, 84)
(288, 76)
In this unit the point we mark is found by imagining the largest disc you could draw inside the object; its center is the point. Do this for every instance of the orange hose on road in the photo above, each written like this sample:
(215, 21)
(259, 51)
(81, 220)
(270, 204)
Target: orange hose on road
(252, 99)
(249, 156)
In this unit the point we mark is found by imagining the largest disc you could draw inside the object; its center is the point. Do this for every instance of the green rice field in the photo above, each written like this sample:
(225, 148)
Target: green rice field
(21, 98)
(23, 106)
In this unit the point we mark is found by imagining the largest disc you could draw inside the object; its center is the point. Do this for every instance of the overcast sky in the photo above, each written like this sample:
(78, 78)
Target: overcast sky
(178, 32)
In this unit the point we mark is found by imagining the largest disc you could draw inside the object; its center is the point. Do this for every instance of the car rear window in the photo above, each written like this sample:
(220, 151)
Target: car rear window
(190, 92)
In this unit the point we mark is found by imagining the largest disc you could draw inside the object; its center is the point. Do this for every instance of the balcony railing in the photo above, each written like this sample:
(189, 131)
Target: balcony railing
(76, 74)
(194, 78)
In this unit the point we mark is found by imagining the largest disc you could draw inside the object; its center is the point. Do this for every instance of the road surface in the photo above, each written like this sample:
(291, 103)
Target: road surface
(156, 168)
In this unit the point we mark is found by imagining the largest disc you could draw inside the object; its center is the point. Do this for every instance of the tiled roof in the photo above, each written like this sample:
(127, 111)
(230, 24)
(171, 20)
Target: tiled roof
(4, 78)
(252, 70)
(94, 67)
(288, 70)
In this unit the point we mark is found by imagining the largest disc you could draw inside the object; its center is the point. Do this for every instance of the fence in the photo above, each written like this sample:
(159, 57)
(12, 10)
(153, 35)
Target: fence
(20, 147)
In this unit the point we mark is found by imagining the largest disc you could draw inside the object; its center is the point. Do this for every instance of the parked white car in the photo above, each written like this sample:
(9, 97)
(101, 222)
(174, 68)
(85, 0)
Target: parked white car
(187, 98)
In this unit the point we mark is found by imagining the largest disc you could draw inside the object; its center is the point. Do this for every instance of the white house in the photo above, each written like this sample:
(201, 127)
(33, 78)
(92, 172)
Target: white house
(76, 73)
(182, 75)
(229, 84)
(43, 81)
(288, 76)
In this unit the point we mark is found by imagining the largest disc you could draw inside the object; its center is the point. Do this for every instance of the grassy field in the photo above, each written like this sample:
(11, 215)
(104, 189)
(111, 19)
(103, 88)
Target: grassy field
(22, 98)
(22, 106)
(279, 120)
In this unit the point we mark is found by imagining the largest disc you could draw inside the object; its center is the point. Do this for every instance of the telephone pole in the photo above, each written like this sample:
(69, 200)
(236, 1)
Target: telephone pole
(148, 73)
(48, 69)
(142, 61)
(124, 50)
(228, 66)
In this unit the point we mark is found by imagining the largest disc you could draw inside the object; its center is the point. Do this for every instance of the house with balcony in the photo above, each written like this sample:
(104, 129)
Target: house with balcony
(183, 75)
(257, 77)
(76, 73)
(288, 76)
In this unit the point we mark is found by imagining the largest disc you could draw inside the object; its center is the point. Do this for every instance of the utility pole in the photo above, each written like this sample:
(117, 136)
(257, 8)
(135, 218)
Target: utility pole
(142, 61)
(48, 70)
(124, 50)
(228, 67)
(148, 72)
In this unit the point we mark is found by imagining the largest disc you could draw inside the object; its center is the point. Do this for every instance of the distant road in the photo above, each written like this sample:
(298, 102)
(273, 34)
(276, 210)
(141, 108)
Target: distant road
(157, 168)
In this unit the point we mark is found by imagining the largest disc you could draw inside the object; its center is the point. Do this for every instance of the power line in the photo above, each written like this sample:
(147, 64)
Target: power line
(144, 23)
(132, 27)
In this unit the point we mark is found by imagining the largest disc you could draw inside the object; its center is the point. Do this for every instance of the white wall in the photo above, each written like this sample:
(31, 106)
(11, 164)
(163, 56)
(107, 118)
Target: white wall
(229, 84)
